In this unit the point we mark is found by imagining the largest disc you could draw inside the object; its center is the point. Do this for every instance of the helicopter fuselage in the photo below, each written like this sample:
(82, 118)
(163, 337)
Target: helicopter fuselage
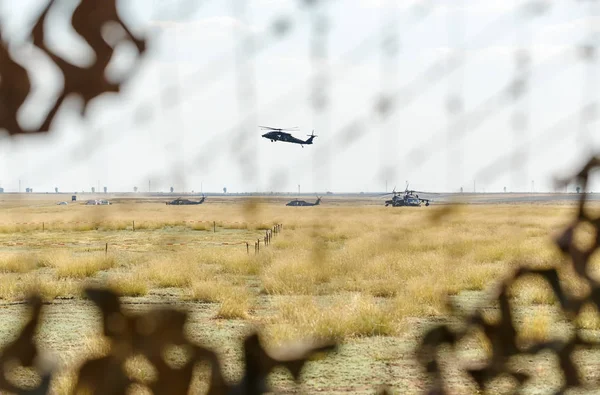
(185, 202)
(279, 135)
(406, 200)
(297, 203)
(400, 202)
(285, 137)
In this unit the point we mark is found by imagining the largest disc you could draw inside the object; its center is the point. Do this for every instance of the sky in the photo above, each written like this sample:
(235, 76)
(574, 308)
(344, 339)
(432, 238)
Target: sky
(189, 116)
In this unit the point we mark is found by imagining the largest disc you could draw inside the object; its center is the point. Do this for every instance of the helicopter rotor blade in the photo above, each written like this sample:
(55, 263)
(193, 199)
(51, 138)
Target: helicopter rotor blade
(278, 129)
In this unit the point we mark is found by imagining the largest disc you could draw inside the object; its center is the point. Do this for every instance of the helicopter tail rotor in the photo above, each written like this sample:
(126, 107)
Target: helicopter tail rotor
(310, 138)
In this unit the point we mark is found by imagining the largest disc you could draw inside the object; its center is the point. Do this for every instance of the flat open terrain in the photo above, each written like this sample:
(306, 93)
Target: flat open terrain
(372, 277)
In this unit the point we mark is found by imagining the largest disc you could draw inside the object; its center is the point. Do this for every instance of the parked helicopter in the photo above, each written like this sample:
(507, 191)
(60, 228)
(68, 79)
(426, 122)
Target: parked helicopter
(297, 202)
(186, 202)
(278, 134)
(408, 198)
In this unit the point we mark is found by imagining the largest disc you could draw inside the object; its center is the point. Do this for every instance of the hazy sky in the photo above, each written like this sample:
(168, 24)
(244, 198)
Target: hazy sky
(200, 141)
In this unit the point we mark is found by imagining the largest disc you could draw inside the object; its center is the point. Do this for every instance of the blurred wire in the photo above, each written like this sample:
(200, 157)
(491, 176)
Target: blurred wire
(245, 148)
(279, 28)
(455, 101)
(552, 135)
(589, 54)
(520, 119)
(390, 130)
(320, 91)
(491, 106)
(430, 77)
(391, 102)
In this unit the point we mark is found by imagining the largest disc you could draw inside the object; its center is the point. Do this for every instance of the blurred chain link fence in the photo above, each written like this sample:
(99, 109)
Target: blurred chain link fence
(389, 108)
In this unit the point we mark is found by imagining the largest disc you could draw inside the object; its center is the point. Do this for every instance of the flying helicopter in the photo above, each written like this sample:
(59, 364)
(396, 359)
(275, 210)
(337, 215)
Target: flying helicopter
(278, 134)
(408, 198)
(186, 202)
(297, 202)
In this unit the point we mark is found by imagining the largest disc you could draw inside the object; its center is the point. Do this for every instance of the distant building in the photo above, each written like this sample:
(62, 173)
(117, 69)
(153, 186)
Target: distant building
(1, 190)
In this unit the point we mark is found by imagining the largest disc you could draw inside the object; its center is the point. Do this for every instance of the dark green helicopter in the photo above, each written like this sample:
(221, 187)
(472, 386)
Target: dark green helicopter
(408, 198)
(186, 202)
(297, 202)
(278, 134)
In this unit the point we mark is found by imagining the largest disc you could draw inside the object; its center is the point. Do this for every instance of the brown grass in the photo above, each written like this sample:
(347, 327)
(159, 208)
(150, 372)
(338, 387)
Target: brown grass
(234, 301)
(18, 263)
(128, 285)
(16, 287)
(84, 267)
(588, 318)
(336, 317)
(535, 328)
(374, 267)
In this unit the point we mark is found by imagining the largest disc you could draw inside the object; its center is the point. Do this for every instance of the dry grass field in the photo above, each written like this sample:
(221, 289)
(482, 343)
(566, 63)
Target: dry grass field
(370, 276)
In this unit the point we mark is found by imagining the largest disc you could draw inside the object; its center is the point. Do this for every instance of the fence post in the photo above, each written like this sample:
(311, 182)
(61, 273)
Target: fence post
(43, 226)
(214, 226)
(106, 250)
(258, 245)
(134, 226)
(247, 248)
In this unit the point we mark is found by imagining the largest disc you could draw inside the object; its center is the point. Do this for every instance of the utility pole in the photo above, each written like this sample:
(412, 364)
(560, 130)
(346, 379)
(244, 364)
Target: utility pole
(532, 186)
(298, 189)
(474, 189)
